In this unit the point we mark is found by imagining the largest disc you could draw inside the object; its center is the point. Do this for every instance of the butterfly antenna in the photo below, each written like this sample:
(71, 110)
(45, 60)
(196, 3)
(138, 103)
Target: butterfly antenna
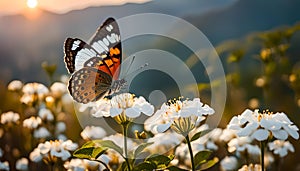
(131, 62)
(141, 67)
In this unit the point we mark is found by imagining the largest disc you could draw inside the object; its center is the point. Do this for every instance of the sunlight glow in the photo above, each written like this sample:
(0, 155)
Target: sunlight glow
(32, 3)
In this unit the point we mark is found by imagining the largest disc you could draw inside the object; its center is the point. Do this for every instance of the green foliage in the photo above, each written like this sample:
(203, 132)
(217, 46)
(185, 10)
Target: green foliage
(209, 164)
(93, 149)
(160, 161)
(201, 157)
(140, 149)
(199, 134)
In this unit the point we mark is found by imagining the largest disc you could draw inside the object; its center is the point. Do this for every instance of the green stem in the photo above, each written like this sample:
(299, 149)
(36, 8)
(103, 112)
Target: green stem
(191, 151)
(125, 126)
(262, 154)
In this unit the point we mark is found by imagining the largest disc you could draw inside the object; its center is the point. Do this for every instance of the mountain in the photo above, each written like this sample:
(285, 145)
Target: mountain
(246, 16)
(25, 42)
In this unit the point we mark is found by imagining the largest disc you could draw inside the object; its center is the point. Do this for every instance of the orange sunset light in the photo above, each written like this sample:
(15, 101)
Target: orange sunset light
(32, 3)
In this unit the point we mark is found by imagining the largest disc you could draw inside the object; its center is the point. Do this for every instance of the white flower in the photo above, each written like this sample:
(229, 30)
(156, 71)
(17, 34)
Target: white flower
(163, 142)
(9, 117)
(75, 165)
(22, 164)
(93, 132)
(69, 145)
(60, 127)
(66, 99)
(58, 89)
(241, 144)
(250, 167)
(227, 135)
(32, 122)
(182, 116)
(35, 155)
(61, 137)
(281, 147)
(35, 88)
(84, 164)
(33, 92)
(15, 85)
(122, 107)
(261, 125)
(41, 132)
(229, 163)
(100, 108)
(58, 150)
(46, 114)
(4, 165)
(131, 106)
(49, 149)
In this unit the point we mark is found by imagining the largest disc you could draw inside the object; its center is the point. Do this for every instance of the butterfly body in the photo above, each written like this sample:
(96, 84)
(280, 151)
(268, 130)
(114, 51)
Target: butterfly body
(95, 67)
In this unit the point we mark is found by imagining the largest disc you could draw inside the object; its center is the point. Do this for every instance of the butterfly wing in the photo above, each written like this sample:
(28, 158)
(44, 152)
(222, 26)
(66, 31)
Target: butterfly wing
(76, 53)
(107, 39)
(89, 84)
(94, 65)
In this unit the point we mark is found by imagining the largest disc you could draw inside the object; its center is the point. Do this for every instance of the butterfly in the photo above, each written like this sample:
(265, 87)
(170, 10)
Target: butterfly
(95, 66)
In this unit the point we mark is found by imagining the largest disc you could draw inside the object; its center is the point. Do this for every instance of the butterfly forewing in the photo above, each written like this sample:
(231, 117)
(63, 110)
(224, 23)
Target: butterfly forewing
(107, 38)
(89, 84)
(77, 52)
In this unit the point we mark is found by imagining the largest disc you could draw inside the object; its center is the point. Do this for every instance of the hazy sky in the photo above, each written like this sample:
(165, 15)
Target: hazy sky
(58, 6)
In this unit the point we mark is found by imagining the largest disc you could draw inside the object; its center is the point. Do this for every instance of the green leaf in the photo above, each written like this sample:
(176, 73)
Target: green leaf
(108, 144)
(160, 161)
(200, 134)
(209, 163)
(145, 166)
(140, 148)
(174, 168)
(89, 152)
(201, 157)
(93, 149)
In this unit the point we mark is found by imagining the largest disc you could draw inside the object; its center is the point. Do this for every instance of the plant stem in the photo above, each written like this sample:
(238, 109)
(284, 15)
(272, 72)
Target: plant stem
(104, 164)
(262, 154)
(125, 127)
(191, 151)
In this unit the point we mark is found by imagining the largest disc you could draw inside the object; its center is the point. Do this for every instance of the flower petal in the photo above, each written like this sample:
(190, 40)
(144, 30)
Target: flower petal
(132, 112)
(292, 130)
(260, 134)
(163, 127)
(115, 112)
(280, 134)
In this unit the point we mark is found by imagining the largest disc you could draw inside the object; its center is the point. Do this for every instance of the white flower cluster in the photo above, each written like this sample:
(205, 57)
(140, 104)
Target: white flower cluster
(9, 117)
(261, 126)
(170, 114)
(123, 104)
(51, 149)
(84, 164)
(93, 132)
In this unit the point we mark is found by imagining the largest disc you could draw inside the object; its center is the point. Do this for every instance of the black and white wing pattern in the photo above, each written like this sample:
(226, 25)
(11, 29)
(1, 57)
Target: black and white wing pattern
(94, 65)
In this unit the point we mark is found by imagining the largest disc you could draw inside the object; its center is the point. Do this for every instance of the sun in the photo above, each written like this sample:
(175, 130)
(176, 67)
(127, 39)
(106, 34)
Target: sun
(32, 3)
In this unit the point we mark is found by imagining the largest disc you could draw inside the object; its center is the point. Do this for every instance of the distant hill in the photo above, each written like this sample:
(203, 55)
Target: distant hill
(25, 43)
(246, 16)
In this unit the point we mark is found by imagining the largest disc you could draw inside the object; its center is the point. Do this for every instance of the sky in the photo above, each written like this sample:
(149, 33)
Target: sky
(8, 7)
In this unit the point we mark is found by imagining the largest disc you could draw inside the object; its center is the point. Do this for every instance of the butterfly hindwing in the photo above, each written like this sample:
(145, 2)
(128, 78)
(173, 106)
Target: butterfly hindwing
(89, 84)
